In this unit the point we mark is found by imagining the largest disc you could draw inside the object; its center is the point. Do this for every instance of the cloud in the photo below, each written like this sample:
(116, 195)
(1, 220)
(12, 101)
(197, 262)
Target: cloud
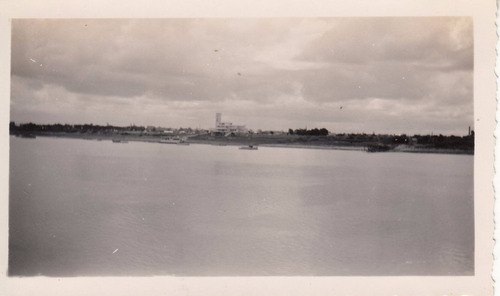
(395, 74)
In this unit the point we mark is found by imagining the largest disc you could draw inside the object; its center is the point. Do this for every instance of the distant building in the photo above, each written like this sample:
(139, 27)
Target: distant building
(471, 132)
(226, 128)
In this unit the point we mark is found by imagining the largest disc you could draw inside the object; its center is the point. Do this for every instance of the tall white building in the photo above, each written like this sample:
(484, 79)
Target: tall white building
(226, 128)
(218, 119)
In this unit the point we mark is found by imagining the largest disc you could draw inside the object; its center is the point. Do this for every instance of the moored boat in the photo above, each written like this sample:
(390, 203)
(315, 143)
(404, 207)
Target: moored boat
(174, 140)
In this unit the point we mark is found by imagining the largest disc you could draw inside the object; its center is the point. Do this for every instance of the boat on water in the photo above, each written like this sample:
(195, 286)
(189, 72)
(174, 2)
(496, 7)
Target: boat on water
(119, 141)
(249, 147)
(174, 140)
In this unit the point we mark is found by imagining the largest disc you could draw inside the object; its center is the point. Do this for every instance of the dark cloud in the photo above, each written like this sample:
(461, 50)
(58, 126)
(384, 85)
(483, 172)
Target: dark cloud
(390, 74)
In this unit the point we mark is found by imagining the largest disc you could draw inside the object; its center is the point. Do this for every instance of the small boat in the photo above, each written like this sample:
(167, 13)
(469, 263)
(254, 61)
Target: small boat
(119, 141)
(249, 147)
(174, 140)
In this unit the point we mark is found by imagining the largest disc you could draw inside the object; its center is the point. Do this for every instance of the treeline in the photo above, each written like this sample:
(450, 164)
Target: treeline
(69, 128)
(428, 141)
(465, 143)
(311, 132)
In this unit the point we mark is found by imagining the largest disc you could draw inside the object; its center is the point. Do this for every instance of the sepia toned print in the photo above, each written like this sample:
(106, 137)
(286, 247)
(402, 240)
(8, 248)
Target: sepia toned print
(252, 147)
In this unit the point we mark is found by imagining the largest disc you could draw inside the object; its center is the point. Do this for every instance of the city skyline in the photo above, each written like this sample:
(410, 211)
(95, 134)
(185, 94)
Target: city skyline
(382, 75)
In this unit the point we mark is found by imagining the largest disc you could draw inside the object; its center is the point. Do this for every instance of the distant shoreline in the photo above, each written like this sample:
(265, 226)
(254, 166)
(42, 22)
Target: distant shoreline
(355, 148)
(257, 141)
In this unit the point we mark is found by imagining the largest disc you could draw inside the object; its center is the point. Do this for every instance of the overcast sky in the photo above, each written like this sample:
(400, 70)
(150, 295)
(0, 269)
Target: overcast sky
(382, 75)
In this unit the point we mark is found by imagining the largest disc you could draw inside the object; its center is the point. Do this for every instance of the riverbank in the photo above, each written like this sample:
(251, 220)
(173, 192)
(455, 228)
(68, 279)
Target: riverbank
(321, 142)
(278, 141)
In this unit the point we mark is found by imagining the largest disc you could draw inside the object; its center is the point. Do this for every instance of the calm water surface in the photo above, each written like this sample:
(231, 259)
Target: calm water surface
(80, 208)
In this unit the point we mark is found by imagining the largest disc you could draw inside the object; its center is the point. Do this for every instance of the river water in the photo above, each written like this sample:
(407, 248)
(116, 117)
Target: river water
(92, 208)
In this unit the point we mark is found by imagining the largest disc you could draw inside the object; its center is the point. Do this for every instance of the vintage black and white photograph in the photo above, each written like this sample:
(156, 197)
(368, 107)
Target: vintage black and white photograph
(312, 146)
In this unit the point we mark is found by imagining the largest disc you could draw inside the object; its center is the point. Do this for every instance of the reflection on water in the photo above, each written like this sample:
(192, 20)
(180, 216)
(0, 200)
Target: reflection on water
(97, 208)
